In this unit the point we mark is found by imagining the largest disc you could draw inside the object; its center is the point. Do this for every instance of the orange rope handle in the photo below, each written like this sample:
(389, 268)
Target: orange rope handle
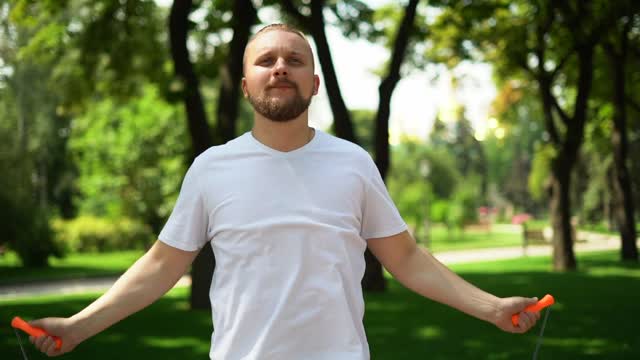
(547, 300)
(20, 324)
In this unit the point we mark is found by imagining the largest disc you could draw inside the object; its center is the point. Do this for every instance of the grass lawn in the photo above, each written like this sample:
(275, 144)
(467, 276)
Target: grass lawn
(592, 319)
(499, 236)
(101, 264)
(72, 266)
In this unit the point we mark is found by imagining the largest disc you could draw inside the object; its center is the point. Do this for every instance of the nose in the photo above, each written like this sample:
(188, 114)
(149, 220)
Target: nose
(280, 68)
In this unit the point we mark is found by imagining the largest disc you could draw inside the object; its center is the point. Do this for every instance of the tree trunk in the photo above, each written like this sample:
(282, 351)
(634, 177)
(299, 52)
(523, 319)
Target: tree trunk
(568, 147)
(196, 116)
(373, 279)
(227, 113)
(563, 256)
(203, 265)
(341, 117)
(624, 205)
(244, 16)
(388, 85)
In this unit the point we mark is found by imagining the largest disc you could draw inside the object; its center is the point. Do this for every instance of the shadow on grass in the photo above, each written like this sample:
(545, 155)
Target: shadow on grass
(73, 266)
(592, 319)
(13, 275)
(165, 330)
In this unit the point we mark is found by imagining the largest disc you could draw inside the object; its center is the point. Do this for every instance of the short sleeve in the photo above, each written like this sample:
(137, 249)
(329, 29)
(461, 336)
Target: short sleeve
(380, 217)
(187, 226)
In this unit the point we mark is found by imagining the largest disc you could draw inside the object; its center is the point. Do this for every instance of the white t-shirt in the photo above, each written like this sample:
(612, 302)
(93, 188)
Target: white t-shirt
(288, 232)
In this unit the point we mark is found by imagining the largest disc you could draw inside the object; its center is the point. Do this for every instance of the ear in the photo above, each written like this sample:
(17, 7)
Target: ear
(244, 87)
(316, 84)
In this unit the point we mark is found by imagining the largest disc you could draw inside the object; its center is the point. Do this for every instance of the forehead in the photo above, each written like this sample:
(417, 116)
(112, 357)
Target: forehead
(278, 40)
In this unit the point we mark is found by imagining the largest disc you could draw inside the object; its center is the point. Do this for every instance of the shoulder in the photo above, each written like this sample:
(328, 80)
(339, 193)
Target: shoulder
(345, 148)
(219, 152)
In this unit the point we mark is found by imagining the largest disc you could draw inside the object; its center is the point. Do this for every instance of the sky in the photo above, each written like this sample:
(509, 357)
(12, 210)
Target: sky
(418, 97)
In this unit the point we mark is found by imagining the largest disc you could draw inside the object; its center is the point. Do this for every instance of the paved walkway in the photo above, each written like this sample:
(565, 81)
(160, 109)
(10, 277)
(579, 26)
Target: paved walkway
(601, 243)
(73, 286)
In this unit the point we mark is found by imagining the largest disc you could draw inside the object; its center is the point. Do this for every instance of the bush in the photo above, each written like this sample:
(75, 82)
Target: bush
(35, 241)
(463, 205)
(94, 234)
(26, 230)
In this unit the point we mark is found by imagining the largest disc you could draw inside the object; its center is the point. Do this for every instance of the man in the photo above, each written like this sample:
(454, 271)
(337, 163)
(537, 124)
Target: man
(289, 211)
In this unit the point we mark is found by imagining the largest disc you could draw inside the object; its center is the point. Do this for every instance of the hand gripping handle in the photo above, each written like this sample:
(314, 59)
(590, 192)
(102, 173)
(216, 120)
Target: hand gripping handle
(18, 323)
(547, 300)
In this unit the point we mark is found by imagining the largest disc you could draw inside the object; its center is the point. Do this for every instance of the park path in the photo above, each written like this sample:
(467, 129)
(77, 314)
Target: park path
(591, 242)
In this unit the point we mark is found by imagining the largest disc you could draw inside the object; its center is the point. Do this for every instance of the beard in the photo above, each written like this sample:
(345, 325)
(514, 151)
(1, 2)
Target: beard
(278, 109)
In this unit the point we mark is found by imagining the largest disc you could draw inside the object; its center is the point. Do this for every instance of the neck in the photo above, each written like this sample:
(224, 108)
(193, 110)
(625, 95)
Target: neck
(283, 136)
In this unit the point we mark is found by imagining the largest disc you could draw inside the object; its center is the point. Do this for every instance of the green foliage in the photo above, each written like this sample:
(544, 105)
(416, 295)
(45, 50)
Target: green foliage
(130, 158)
(439, 211)
(541, 170)
(26, 230)
(407, 182)
(443, 175)
(24, 160)
(510, 143)
(355, 18)
(594, 179)
(93, 234)
(108, 45)
(386, 20)
(424, 182)
(463, 206)
(455, 154)
(363, 125)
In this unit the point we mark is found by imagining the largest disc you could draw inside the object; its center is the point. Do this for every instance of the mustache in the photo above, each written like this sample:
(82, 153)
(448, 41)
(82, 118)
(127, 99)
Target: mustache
(281, 83)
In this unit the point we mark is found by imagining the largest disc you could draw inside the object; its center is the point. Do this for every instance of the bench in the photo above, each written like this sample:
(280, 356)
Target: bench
(479, 227)
(534, 236)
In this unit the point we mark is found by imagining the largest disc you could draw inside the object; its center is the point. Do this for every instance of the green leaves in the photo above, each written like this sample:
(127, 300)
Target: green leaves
(130, 157)
(541, 170)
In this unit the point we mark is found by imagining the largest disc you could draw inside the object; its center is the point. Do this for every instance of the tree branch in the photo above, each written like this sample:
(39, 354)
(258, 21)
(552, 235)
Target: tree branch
(561, 64)
(563, 115)
(634, 105)
(292, 10)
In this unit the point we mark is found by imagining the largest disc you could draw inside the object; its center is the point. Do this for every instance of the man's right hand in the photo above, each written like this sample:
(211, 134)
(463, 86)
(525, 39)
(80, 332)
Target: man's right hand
(59, 327)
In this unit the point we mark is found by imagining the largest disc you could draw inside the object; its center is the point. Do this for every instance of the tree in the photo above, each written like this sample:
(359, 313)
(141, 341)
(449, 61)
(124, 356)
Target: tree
(373, 278)
(536, 40)
(617, 49)
(315, 24)
(130, 156)
(243, 16)
(34, 141)
(83, 47)
(189, 83)
(409, 184)
(510, 144)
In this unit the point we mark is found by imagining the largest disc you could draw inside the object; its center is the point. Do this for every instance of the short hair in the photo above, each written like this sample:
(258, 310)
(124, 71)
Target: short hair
(276, 27)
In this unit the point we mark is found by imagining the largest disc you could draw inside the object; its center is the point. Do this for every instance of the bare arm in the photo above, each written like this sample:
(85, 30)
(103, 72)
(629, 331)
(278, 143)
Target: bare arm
(419, 271)
(150, 277)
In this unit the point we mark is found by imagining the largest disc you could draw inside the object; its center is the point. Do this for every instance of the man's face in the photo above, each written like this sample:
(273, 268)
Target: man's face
(279, 80)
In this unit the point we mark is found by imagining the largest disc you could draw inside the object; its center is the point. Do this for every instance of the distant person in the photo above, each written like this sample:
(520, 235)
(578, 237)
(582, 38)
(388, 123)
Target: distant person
(289, 211)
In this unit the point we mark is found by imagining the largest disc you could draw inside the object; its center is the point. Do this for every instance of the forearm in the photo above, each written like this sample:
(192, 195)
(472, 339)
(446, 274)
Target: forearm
(428, 277)
(144, 282)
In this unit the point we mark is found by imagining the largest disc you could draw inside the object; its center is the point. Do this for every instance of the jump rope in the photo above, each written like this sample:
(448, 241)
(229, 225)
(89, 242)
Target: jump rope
(18, 324)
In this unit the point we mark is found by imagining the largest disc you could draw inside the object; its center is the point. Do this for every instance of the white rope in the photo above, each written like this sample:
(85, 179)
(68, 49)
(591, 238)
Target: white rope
(544, 323)
(24, 354)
